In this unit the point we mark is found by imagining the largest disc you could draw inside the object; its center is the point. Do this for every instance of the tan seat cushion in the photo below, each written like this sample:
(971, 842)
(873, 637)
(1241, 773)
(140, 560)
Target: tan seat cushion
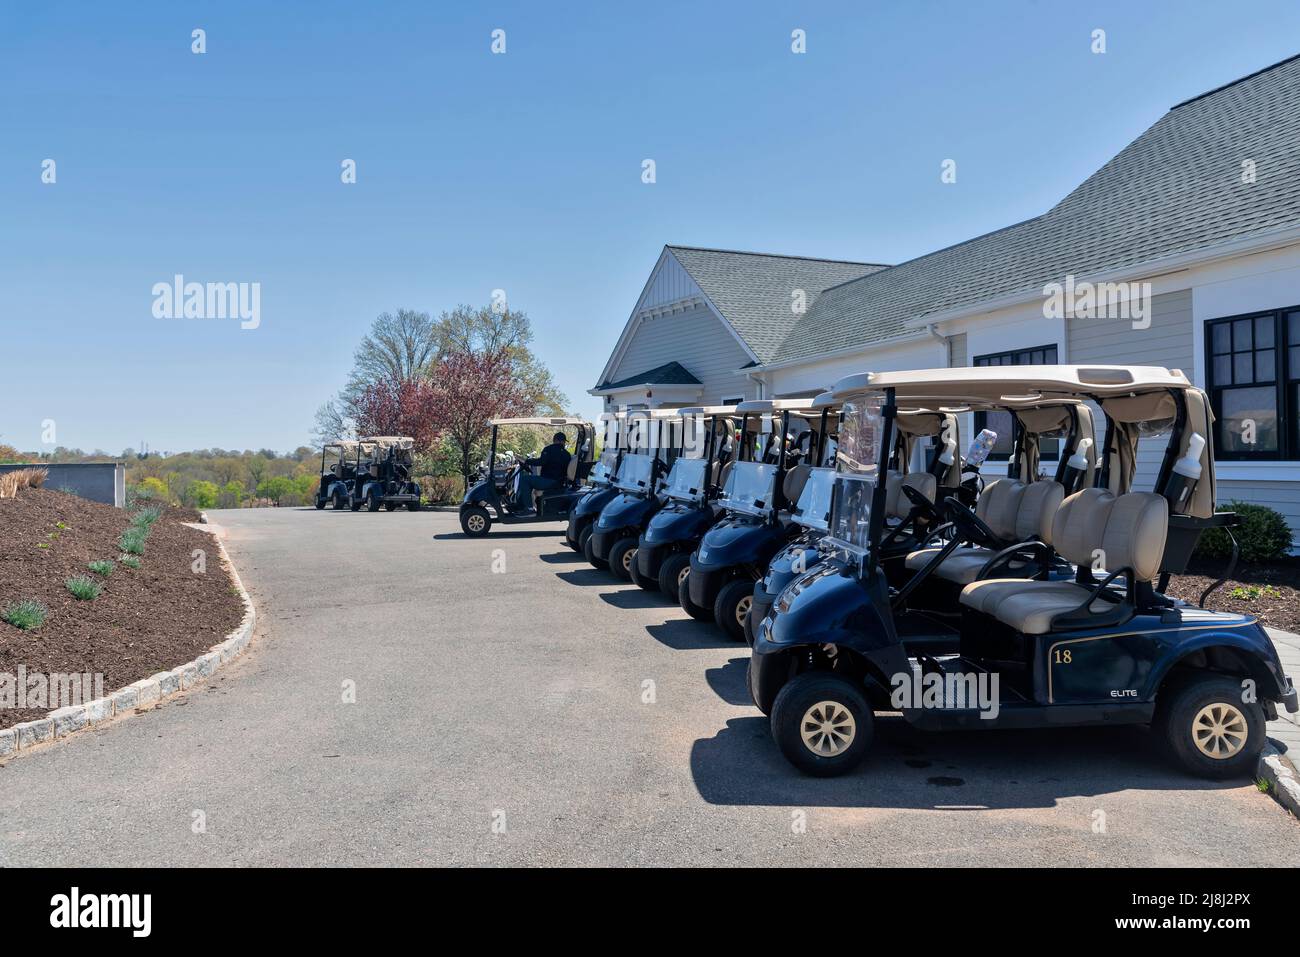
(961, 566)
(898, 505)
(1025, 605)
(795, 480)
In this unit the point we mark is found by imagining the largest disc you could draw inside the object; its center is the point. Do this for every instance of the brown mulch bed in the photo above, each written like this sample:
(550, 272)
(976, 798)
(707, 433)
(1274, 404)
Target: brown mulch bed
(1270, 592)
(146, 620)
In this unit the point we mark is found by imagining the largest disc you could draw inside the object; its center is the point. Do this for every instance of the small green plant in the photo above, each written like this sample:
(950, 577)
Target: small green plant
(1264, 785)
(62, 526)
(130, 561)
(1252, 592)
(25, 615)
(132, 540)
(101, 566)
(146, 516)
(42, 544)
(83, 588)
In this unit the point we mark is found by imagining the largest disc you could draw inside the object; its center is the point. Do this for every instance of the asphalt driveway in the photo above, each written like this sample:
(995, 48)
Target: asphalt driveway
(514, 706)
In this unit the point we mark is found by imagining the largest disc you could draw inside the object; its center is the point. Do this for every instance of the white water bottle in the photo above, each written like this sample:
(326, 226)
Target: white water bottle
(1186, 473)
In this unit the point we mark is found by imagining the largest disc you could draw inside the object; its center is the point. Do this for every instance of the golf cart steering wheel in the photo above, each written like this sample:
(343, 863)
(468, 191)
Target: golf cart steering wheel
(970, 527)
(923, 506)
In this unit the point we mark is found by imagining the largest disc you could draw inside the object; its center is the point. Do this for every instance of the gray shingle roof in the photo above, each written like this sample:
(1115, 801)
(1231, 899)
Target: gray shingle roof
(1175, 189)
(671, 373)
(753, 291)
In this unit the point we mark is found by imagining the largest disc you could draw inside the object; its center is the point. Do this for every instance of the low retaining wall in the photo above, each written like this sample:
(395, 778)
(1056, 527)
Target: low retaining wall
(98, 481)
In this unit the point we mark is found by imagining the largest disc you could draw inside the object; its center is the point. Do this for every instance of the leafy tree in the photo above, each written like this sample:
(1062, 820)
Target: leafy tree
(202, 494)
(406, 408)
(276, 488)
(488, 330)
(232, 494)
(470, 388)
(153, 487)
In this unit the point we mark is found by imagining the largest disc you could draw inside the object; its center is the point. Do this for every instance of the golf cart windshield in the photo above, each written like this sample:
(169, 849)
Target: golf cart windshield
(686, 480)
(814, 507)
(634, 474)
(602, 473)
(749, 487)
(856, 472)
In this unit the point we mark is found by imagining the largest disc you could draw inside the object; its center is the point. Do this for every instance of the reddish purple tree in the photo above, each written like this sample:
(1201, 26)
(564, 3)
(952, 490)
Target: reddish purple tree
(469, 388)
(400, 408)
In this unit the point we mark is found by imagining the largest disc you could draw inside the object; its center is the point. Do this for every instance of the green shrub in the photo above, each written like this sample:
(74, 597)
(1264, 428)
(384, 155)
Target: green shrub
(83, 588)
(133, 539)
(146, 516)
(130, 561)
(1264, 535)
(101, 566)
(25, 615)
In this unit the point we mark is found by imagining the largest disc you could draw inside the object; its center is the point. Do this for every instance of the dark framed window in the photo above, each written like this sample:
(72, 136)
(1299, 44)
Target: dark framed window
(1252, 373)
(1000, 422)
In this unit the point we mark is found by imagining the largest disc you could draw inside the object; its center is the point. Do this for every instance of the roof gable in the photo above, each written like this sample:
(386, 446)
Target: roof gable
(755, 293)
(670, 373)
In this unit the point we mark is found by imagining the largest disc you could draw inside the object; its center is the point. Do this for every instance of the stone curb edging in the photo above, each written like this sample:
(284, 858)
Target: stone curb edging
(139, 694)
(1284, 782)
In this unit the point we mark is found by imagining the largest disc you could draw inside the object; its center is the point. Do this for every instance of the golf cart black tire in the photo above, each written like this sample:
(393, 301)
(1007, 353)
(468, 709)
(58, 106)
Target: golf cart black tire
(465, 514)
(587, 552)
(340, 501)
(698, 612)
(1176, 710)
(372, 503)
(670, 572)
(320, 503)
(725, 606)
(354, 504)
(794, 700)
(621, 554)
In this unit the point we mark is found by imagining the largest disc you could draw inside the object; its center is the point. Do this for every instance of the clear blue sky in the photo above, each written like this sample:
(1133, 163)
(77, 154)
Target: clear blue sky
(519, 172)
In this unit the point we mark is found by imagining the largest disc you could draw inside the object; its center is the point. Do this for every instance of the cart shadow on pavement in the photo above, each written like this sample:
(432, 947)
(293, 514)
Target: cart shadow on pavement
(957, 770)
(731, 681)
(586, 576)
(565, 557)
(635, 597)
(498, 533)
(687, 634)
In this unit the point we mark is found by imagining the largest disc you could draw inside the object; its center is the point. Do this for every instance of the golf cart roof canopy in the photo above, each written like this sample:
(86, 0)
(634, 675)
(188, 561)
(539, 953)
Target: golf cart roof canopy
(402, 442)
(1013, 385)
(345, 445)
(825, 399)
(776, 405)
(559, 420)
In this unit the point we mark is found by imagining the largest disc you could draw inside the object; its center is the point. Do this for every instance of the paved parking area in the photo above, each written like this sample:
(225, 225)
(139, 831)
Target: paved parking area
(540, 714)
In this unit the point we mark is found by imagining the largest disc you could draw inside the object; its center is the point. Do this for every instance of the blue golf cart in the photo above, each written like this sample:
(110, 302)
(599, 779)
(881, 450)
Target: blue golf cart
(1102, 647)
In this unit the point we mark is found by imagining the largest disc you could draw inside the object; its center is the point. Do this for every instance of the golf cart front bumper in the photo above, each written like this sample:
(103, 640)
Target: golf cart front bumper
(603, 541)
(650, 558)
(1288, 696)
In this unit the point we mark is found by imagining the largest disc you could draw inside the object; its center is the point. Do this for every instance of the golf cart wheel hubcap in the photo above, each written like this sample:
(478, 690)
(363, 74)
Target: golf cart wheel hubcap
(1219, 730)
(475, 523)
(629, 557)
(681, 575)
(827, 729)
(742, 608)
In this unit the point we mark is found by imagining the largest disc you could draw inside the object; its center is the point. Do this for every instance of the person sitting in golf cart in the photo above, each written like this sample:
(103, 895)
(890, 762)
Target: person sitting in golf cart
(554, 463)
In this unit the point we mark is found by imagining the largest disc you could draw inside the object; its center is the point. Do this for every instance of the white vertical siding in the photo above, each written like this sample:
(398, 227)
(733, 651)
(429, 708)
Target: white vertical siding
(697, 340)
(1168, 342)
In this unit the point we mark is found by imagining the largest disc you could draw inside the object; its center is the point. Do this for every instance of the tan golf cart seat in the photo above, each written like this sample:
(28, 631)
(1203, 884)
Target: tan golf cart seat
(1015, 511)
(795, 480)
(1092, 526)
(897, 505)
